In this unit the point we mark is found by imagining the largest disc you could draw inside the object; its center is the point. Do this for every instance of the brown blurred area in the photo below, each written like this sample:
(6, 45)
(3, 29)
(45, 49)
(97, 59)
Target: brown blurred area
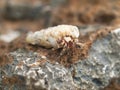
(37, 14)
(24, 16)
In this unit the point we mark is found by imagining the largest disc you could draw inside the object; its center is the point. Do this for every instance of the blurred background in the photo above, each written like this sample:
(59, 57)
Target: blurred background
(37, 14)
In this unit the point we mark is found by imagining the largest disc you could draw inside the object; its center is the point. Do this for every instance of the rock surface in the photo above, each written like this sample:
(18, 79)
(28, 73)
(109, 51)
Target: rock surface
(102, 64)
(36, 72)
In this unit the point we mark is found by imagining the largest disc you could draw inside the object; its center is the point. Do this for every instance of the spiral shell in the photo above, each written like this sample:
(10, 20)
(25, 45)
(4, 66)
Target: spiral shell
(49, 37)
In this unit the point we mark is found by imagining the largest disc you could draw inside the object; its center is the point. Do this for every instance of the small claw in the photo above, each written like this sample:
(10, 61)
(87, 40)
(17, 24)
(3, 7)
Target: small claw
(80, 44)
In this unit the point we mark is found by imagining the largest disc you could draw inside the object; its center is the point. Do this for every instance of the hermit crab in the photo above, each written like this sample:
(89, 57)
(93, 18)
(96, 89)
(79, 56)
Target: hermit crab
(56, 37)
(64, 41)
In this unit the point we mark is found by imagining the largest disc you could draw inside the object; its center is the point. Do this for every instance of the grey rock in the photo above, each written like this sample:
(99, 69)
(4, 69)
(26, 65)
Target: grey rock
(55, 3)
(102, 64)
(47, 76)
(93, 73)
(25, 11)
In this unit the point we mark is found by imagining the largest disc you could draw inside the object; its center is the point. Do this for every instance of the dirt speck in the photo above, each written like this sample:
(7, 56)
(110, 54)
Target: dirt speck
(12, 80)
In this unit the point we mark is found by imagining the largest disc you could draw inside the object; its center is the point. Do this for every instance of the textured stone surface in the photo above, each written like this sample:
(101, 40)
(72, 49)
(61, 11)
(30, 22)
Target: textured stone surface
(93, 73)
(102, 64)
(39, 74)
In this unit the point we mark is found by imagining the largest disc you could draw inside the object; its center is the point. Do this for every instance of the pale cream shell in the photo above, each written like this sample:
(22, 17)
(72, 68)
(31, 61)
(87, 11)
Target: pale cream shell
(49, 37)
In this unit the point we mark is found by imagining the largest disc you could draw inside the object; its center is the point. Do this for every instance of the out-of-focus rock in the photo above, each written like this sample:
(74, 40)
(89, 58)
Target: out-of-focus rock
(10, 36)
(92, 73)
(105, 17)
(55, 3)
(16, 10)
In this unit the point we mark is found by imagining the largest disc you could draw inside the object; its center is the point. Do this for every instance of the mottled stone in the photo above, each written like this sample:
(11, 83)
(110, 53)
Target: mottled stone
(102, 64)
(37, 75)
(92, 73)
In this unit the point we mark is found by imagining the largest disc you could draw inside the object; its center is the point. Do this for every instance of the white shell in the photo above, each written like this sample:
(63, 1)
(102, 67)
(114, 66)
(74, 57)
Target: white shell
(49, 37)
